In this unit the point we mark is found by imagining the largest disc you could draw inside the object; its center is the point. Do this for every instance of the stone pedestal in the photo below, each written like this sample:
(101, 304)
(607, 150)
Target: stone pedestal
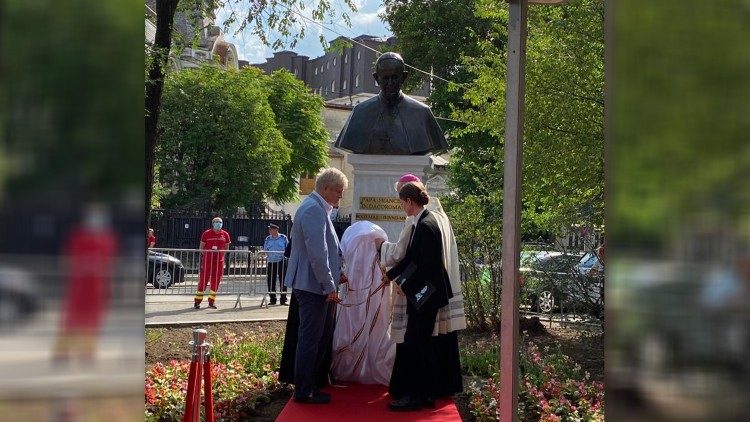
(375, 198)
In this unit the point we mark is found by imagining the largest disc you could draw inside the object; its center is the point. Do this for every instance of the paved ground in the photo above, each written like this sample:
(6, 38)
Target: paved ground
(28, 370)
(178, 310)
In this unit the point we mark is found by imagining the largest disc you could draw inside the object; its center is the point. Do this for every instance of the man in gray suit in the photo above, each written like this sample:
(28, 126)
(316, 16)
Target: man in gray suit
(314, 273)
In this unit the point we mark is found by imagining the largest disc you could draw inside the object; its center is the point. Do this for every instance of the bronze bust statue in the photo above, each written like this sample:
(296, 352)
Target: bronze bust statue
(391, 123)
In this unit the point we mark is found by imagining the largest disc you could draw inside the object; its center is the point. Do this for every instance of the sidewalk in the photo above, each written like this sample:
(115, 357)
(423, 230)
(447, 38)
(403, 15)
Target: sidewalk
(178, 310)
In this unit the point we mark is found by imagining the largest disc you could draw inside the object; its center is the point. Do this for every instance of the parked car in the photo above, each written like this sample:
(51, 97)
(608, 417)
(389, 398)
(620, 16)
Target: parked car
(589, 264)
(551, 279)
(164, 270)
(18, 297)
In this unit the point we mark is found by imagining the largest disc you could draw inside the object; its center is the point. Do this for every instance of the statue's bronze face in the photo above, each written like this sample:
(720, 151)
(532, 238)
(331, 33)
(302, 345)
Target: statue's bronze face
(390, 76)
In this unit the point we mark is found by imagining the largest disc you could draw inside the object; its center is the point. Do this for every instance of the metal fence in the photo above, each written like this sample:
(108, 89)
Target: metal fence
(178, 271)
(184, 231)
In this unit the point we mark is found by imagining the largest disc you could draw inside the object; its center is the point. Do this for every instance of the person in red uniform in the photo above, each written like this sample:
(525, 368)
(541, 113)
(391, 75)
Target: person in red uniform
(89, 254)
(214, 242)
(151, 242)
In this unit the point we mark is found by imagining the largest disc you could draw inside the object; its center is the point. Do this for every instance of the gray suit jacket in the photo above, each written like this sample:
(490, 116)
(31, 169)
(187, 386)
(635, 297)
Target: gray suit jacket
(315, 259)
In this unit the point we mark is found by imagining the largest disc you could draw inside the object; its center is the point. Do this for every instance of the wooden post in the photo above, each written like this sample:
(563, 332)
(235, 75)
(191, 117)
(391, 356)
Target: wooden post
(514, 110)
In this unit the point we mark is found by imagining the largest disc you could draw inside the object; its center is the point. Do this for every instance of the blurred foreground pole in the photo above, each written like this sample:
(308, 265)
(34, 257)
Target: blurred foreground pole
(514, 109)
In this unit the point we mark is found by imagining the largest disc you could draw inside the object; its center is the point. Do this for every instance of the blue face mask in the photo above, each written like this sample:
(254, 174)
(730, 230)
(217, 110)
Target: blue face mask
(217, 226)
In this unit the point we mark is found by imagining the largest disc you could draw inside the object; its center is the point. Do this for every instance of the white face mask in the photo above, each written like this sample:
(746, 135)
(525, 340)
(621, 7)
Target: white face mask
(96, 220)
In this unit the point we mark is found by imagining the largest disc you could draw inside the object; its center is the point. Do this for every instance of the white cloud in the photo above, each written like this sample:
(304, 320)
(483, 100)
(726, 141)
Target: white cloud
(365, 19)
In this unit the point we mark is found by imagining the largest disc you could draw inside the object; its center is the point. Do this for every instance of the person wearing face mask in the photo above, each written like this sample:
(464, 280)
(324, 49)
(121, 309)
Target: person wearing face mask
(214, 243)
(90, 255)
(391, 123)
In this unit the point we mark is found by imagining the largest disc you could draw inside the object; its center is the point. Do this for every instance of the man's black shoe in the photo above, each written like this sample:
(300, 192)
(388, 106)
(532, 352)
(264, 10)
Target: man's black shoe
(321, 393)
(212, 306)
(320, 398)
(197, 306)
(283, 303)
(405, 404)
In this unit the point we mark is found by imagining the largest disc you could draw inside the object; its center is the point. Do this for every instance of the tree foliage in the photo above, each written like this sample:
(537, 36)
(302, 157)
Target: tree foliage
(275, 23)
(298, 116)
(62, 128)
(464, 42)
(564, 132)
(680, 119)
(222, 144)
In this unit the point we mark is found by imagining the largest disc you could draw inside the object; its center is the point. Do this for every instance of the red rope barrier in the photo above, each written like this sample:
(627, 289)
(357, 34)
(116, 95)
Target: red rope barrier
(208, 404)
(189, 404)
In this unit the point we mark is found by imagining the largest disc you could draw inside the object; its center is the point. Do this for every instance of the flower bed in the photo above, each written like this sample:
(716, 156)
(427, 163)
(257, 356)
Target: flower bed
(242, 375)
(553, 388)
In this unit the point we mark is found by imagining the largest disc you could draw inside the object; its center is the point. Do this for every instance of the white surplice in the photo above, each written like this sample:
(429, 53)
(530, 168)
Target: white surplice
(362, 348)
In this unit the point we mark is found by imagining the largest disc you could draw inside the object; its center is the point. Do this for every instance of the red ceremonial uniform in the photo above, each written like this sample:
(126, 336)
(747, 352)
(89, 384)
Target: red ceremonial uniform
(151, 239)
(212, 262)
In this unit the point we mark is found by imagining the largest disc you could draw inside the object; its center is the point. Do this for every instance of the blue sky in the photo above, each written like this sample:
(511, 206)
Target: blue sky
(364, 21)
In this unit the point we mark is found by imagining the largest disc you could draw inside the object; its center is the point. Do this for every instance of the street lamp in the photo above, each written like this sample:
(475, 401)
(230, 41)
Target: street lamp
(514, 110)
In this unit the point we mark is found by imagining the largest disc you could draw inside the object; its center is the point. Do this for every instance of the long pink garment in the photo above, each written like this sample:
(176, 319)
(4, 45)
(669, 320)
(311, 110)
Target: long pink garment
(362, 348)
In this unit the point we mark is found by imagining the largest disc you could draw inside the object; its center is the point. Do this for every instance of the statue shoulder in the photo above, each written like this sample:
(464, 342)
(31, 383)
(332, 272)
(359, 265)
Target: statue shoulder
(412, 103)
(367, 105)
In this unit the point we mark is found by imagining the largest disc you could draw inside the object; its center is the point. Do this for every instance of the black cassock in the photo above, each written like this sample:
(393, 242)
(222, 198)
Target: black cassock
(426, 365)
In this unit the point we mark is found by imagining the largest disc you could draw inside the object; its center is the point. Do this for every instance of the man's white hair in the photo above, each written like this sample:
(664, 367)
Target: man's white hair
(217, 219)
(330, 177)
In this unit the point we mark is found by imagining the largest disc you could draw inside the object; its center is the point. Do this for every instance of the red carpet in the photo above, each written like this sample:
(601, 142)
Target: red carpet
(364, 403)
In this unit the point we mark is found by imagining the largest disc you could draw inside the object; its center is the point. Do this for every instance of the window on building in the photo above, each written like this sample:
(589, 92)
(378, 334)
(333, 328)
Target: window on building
(316, 70)
(356, 81)
(328, 65)
(343, 85)
(333, 87)
(334, 62)
(359, 55)
(306, 183)
(346, 58)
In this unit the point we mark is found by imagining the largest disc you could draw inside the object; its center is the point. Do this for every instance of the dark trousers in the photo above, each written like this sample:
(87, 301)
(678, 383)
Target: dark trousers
(316, 322)
(275, 270)
(415, 367)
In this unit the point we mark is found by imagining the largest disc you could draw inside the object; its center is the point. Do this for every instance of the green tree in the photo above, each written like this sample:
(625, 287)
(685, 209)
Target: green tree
(464, 42)
(265, 18)
(221, 147)
(680, 121)
(62, 115)
(298, 116)
(564, 131)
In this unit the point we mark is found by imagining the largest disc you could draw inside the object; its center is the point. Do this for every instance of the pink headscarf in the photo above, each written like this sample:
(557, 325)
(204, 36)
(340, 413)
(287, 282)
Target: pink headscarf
(408, 177)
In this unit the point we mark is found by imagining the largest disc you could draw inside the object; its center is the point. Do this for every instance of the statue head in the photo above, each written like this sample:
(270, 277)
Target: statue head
(390, 74)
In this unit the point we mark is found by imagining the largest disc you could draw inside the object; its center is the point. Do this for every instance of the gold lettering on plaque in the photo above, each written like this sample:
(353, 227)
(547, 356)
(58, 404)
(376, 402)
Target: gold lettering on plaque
(379, 217)
(383, 203)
